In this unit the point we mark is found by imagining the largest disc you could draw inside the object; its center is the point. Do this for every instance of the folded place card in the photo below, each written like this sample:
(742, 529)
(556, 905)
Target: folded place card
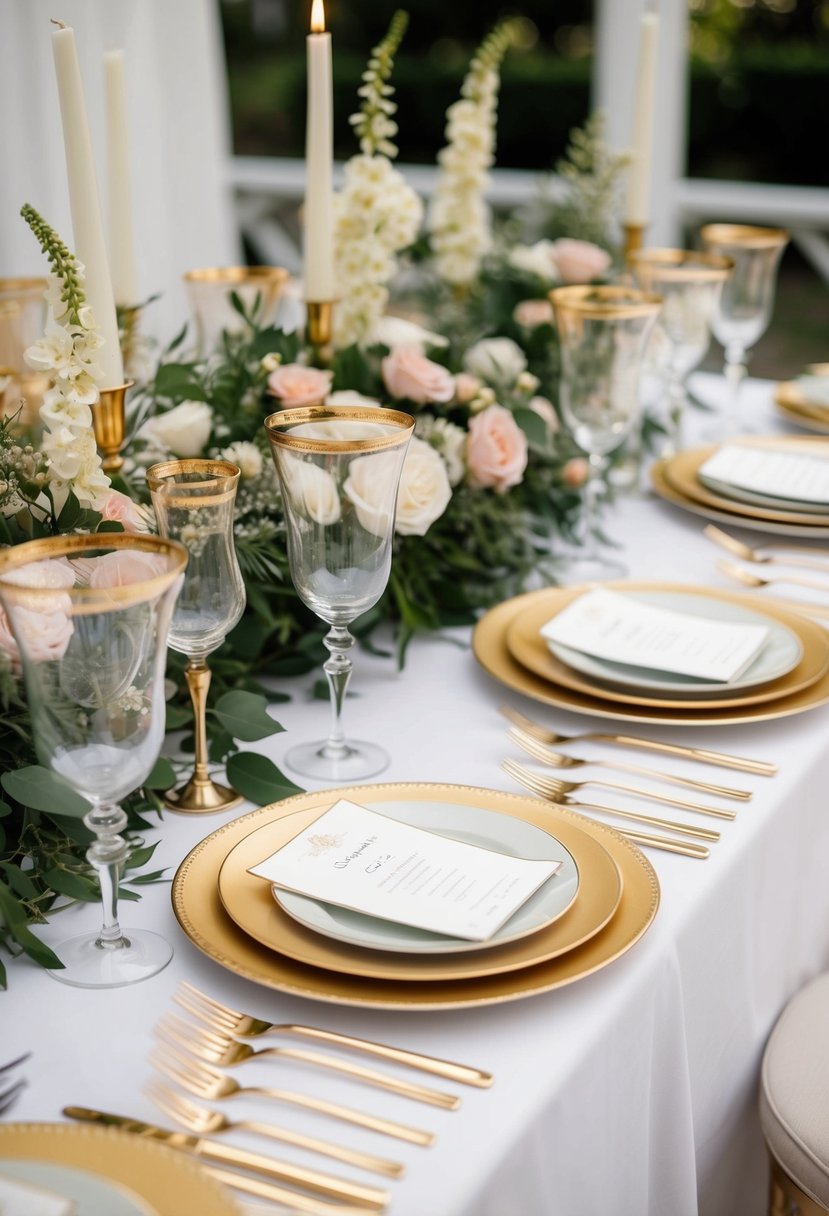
(816, 388)
(776, 473)
(363, 860)
(626, 630)
(24, 1199)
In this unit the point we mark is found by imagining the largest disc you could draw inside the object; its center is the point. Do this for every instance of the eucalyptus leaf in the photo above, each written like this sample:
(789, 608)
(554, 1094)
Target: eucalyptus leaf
(245, 716)
(75, 886)
(14, 914)
(38, 788)
(163, 775)
(258, 779)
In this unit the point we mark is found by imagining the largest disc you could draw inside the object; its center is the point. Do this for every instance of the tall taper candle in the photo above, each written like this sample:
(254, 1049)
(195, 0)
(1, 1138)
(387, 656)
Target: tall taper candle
(318, 239)
(638, 200)
(88, 230)
(121, 242)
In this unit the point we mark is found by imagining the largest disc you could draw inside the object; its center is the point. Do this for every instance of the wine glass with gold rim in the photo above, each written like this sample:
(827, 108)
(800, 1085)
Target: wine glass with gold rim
(602, 335)
(210, 288)
(690, 284)
(193, 502)
(744, 309)
(339, 469)
(86, 619)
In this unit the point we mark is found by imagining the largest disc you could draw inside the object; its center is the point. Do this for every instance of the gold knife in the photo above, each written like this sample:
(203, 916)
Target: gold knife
(371, 1197)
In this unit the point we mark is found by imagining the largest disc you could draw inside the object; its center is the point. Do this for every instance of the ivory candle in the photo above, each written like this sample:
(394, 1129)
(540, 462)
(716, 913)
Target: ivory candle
(121, 242)
(638, 200)
(87, 228)
(318, 233)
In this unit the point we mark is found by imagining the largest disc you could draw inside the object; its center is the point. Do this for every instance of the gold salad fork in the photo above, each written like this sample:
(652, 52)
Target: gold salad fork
(558, 760)
(804, 557)
(204, 1081)
(216, 1049)
(545, 786)
(206, 1122)
(763, 768)
(748, 579)
(222, 1019)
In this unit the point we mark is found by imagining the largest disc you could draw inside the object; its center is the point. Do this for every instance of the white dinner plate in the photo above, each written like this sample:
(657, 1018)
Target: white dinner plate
(91, 1194)
(777, 502)
(472, 825)
(780, 655)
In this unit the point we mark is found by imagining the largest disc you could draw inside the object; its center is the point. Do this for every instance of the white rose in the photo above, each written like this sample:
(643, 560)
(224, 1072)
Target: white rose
(396, 331)
(183, 430)
(371, 486)
(347, 396)
(538, 259)
(424, 492)
(312, 490)
(496, 359)
(247, 456)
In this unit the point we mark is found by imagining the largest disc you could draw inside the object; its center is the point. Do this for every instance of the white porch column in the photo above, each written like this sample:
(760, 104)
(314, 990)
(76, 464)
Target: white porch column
(614, 72)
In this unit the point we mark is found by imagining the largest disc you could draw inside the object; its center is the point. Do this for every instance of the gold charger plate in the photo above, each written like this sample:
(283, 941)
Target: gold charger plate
(249, 902)
(682, 471)
(489, 645)
(170, 1181)
(525, 644)
(796, 408)
(200, 913)
(666, 490)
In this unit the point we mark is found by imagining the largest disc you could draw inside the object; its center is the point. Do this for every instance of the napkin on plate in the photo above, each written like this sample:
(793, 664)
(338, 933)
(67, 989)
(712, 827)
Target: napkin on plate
(23, 1199)
(774, 472)
(622, 629)
(815, 388)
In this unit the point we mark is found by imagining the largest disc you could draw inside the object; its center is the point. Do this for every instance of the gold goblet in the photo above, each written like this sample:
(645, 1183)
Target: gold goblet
(22, 318)
(193, 501)
(110, 425)
(210, 288)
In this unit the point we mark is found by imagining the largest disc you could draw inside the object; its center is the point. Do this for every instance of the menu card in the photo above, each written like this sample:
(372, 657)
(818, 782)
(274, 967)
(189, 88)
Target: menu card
(363, 860)
(626, 630)
(779, 474)
(19, 1198)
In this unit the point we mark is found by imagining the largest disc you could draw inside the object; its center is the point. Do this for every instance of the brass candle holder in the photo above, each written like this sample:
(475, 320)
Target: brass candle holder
(634, 239)
(319, 328)
(109, 423)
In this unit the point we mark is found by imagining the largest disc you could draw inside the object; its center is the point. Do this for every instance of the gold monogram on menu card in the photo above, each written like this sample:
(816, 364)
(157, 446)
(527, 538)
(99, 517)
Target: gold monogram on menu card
(323, 843)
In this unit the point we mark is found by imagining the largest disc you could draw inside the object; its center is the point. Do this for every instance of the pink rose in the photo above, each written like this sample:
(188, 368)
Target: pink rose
(407, 373)
(297, 385)
(123, 567)
(467, 388)
(496, 450)
(580, 261)
(532, 313)
(123, 510)
(43, 623)
(576, 472)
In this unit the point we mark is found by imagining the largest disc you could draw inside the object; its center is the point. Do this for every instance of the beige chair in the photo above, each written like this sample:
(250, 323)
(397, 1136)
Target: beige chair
(794, 1104)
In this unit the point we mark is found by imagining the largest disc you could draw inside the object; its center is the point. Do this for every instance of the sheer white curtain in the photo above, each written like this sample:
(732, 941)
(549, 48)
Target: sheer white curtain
(178, 134)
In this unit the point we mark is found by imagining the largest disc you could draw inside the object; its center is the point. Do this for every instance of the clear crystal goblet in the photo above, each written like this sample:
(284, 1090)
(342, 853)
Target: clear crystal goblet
(690, 284)
(602, 335)
(744, 309)
(339, 469)
(210, 290)
(89, 617)
(193, 502)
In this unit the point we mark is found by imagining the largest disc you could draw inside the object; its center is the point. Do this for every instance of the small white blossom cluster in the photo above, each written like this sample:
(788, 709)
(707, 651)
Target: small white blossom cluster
(459, 218)
(377, 214)
(67, 353)
(449, 440)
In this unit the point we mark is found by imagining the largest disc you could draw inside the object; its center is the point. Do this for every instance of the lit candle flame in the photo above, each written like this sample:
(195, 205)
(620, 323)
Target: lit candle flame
(317, 17)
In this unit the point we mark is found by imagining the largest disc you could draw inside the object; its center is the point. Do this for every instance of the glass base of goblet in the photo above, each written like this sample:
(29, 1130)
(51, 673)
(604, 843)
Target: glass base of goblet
(590, 568)
(356, 761)
(88, 965)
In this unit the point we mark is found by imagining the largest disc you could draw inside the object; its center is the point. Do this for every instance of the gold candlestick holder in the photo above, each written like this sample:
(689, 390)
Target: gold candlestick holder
(109, 423)
(319, 327)
(634, 239)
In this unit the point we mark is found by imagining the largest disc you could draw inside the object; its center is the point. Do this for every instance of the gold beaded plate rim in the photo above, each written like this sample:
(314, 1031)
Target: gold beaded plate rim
(249, 902)
(489, 645)
(170, 1181)
(528, 647)
(667, 491)
(682, 471)
(200, 914)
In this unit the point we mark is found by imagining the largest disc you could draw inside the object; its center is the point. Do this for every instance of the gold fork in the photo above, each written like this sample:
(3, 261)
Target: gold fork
(206, 1122)
(761, 767)
(540, 785)
(204, 1081)
(214, 1049)
(289, 1202)
(748, 579)
(557, 760)
(221, 1017)
(807, 558)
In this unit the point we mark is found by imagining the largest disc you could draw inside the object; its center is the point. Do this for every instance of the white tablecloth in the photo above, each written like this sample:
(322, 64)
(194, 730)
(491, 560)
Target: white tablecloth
(631, 1092)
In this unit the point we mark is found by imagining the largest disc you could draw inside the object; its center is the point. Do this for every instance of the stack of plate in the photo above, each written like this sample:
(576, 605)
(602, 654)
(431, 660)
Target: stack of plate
(805, 402)
(790, 675)
(598, 903)
(679, 480)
